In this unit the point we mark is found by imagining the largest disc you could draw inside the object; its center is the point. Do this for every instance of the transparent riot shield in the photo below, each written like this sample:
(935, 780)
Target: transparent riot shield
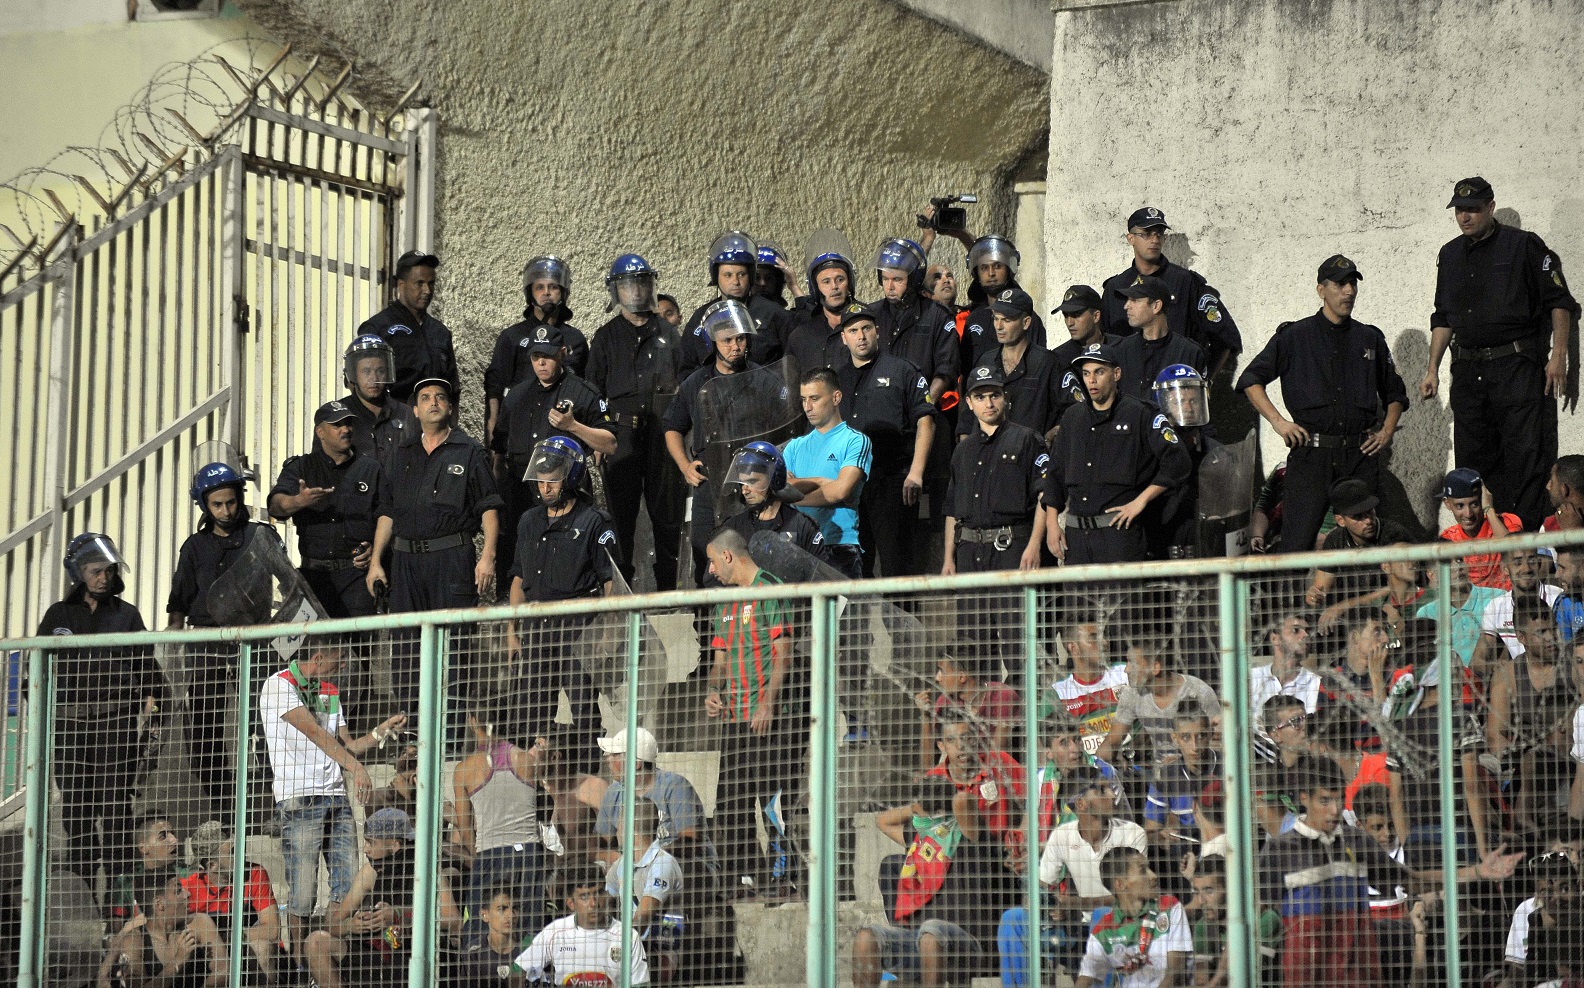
(263, 587)
(734, 409)
(1227, 479)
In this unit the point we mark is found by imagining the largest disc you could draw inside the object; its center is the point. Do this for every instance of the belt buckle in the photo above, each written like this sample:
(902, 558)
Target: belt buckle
(419, 546)
(1003, 539)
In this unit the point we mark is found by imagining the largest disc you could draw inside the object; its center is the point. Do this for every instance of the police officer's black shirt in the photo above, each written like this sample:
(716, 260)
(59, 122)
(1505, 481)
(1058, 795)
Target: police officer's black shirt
(524, 420)
(378, 433)
(996, 479)
(814, 343)
(444, 492)
(884, 400)
(1104, 459)
(203, 558)
(764, 347)
(979, 338)
(422, 344)
(1031, 389)
(1334, 378)
(1143, 359)
(636, 368)
(105, 677)
(683, 413)
(1499, 290)
(510, 364)
(565, 557)
(335, 528)
(922, 332)
(1070, 388)
(790, 523)
(1195, 311)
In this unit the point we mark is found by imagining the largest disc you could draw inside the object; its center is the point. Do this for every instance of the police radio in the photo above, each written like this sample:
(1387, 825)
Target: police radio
(949, 217)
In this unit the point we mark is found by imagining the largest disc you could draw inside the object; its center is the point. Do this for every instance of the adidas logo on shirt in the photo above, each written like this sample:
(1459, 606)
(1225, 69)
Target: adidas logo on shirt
(830, 456)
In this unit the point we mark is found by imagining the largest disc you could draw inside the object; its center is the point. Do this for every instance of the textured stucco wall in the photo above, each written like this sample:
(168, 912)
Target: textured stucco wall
(1274, 133)
(584, 130)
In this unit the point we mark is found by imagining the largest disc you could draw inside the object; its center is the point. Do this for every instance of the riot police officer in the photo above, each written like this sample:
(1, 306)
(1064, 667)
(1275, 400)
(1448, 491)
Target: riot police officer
(1153, 346)
(1029, 374)
(1180, 395)
(913, 326)
(770, 275)
(816, 337)
(381, 422)
(1110, 459)
(733, 260)
(547, 288)
(1336, 373)
(1193, 309)
(106, 701)
(992, 269)
(758, 479)
(635, 362)
(887, 399)
(333, 495)
(421, 342)
(552, 402)
(442, 494)
(562, 553)
(1080, 310)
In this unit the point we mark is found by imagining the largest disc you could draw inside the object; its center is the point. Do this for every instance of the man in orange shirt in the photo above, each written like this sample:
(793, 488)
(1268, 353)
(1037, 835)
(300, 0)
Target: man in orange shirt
(1469, 501)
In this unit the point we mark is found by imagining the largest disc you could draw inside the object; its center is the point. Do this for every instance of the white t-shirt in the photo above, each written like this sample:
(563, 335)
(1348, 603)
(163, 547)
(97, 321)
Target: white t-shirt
(1498, 617)
(301, 768)
(1263, 685)
(1093, 704)
(1112, 950)
(1518, 933)
(1578, 735)
(656, 875)
(566, 954)
(1068, 854)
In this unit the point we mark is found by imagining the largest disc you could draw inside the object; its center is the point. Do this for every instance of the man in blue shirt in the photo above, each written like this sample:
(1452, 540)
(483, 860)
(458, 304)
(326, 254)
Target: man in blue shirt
(829, 465)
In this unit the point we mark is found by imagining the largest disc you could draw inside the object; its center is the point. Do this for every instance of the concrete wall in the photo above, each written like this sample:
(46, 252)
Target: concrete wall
(1020, 28)
(1274, 133)
(576, 129)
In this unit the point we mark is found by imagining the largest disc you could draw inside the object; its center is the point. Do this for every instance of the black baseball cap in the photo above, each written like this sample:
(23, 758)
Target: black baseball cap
(1147, 218)
(856, 313)
(1471, 192)
(985, 377)
(1097, 352)
(425, 382)
(1463, 482)
(1013, 302)
(333, 411)
(1339, 269)
(1077, 299)
(1148, 286)
(415, 259)
(546, 339)
(1352, 497)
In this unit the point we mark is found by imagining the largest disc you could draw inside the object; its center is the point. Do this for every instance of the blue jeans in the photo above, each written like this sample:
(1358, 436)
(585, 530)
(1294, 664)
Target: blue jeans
(311, 825)
(518, 867)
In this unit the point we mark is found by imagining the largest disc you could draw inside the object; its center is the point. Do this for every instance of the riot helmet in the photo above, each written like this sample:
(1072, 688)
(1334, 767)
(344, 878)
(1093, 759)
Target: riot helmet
(769, 279)
(728, 318)
(374, 358)
(831, 259)
(548, 267)
(631, 282)
(557, 460)
(90, 551)
(993, 248)
(733, 247)
(757, 469)
(898, 254)
(1180, 394)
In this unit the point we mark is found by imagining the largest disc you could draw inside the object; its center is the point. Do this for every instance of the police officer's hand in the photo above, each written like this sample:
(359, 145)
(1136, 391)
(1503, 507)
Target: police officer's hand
(1375, 442)
(484, 575)
(1556, 374)
(559, 419)
(694, 474)
(364, 555)
(1292, 433)
(949, 567)
(911, 487)
(1127, 513)
(1056, 540)
(376, 575)
(311, 497)
(1430, 384)
(1030, 558)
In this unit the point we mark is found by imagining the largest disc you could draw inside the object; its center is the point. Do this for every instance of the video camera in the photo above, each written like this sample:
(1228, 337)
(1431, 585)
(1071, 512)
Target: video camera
(949, 218)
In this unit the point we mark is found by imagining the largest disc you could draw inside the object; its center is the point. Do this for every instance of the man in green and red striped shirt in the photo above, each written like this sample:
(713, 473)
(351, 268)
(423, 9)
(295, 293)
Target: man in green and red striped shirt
(747, 693)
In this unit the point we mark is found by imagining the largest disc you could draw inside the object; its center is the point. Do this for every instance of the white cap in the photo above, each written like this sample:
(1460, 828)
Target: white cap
(647, 750)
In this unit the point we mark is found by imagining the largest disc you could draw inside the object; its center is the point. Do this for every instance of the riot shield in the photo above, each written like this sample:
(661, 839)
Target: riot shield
(1227, 478)
(262, 587)
(734, 409)
(605, 647)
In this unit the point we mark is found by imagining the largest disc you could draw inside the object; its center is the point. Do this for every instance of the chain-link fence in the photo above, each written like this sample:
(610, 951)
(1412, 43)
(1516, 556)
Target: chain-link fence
(1329, 771)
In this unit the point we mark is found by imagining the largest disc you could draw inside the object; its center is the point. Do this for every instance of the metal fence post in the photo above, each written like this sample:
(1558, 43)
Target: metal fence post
(34, 960)
(1242, 908)
(629, 797)
(1445, 741)
(421, 971)
(239, 830)
(1031, 757)
(821, 967)
(58, 434)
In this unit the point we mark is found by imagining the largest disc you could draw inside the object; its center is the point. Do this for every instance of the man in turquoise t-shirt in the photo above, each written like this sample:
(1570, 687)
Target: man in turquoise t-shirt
(829, 465)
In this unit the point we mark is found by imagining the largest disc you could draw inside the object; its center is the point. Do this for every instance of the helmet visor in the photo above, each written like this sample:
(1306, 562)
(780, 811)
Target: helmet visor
(994, 249)
(370, 367)
(94, 556)
(550, 463)
(548, 269)
(734, 247)
(723, 320)
(749, 471)
(634, 293)
(1184, 402)
(897, 256)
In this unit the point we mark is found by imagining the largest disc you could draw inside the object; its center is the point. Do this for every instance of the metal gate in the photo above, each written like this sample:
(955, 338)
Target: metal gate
(203, 290)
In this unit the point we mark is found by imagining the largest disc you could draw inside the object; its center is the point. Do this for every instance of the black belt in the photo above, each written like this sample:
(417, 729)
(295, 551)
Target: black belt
(1485, 354)
(1001, 537)
(629, 421)
(327, 565)
(431, 545)
(1318, 441)
(1102, 520)
(1182, 552)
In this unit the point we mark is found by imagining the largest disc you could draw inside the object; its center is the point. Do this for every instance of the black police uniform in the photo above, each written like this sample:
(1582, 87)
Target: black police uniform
(1032, 389)
(377, 433)
(329, 535)
(1195, 311)
(211, 693)
(422, 345)
(523, 423)
(979, 338)
(437, 505)
(1497, 296)
(638, 369)
(789, 523)
(1070, 388)
(885, 399)
(1142, 360)
(1172, 529)
(1101, 460)
(814, 342)
(99, 693)
(682, 416)
(922, 332)
(509, 365)
(561, 558)
(994, 492)
(1335, 381)
(765, 347)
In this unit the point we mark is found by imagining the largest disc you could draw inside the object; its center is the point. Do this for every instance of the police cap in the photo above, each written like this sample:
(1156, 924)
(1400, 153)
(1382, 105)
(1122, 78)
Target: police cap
(1013, 302)
(414, 259)
(546, 340)
(1076, 300)
(1339, 269)
(1149, 286)
(1099, 353)
(1147, 218)
(1471, 192)
(986, 377)
(333, 411)
(855, 313)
